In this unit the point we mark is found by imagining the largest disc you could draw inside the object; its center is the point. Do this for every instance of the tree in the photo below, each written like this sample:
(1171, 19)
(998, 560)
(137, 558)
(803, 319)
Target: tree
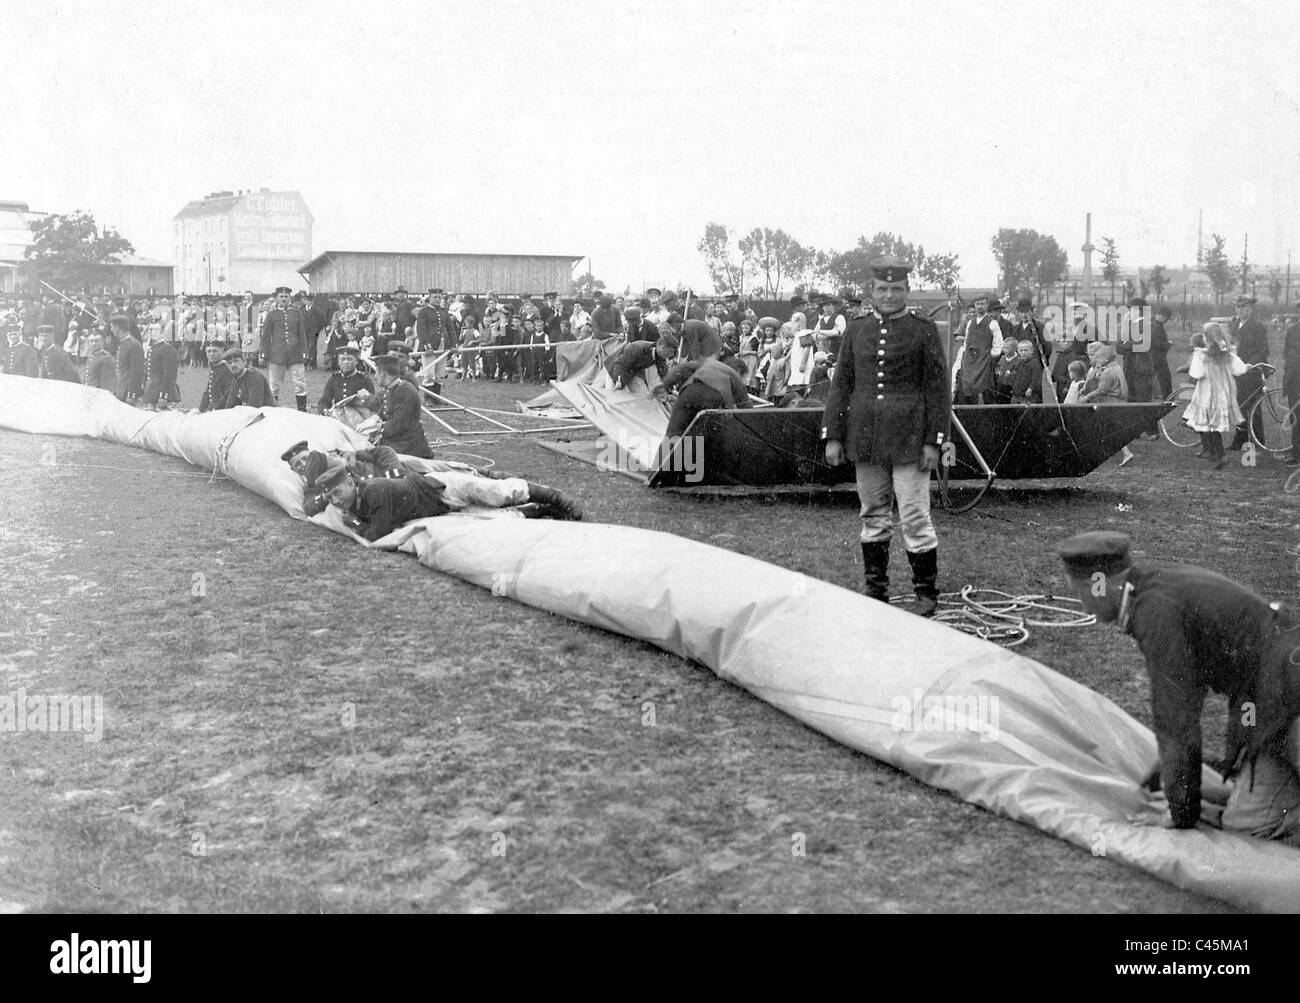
(727, 274)
(1157, 280)
(939, 270)
(1109, 264)
(1218, 269)
(586, 286)
(773, 255)
(1029, 259)
(70, 251)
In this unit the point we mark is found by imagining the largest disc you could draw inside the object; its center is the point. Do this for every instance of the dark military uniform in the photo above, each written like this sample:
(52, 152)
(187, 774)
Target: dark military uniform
(632, 361)
(385, 503)
(249, 388)
(889, 396)
(889, 399)
(55, 365)
(161, 364)
(399, 409)
(101, 372)
(218, 388)
(340, 387)
(284, 336)
(21, 360)
(1198, 629)
(130, 369)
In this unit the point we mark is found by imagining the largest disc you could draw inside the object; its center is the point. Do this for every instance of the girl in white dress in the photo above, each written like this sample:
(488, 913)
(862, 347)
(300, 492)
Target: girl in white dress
(1213, 409)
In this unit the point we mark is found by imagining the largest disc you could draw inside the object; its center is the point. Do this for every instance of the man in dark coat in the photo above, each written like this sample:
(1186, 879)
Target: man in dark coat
(130, 360)
(399, 409)
(1251, 338)
(1160, 374)
(248, 387)
(54, 361)
(161, 365)
(101, 368)
(20, 358)
(284, 345)
(434, 326)
(403, 311)
(217, 390)
(629, 364)
(374, 508)
(707, 384)
(1139, 373)
(888, 412)
(551, 317)
(1197, 629)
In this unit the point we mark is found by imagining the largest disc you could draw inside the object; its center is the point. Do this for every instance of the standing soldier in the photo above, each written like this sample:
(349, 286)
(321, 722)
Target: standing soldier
(888, 413)
(161, 362)
(20, 358)
(218, 388)
(400, 410)
(101, 368)
(54, 361)
(284, 343)
(1251, 339)
(130, 360)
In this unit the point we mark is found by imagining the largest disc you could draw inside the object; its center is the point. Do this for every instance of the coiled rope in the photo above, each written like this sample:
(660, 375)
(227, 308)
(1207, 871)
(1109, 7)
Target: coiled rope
(1001, 617)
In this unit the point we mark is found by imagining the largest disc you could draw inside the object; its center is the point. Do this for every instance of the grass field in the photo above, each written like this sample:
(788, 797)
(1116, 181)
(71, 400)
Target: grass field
(328, 729)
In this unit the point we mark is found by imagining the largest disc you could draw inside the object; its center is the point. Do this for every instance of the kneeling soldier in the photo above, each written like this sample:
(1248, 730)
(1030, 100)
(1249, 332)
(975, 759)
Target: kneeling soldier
(1198, 629)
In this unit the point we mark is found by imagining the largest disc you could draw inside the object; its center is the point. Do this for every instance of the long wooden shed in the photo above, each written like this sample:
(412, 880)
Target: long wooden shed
(384, 271)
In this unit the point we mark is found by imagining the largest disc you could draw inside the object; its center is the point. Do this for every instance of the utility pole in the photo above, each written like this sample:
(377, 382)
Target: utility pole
(1088, 248)
(1245, 266)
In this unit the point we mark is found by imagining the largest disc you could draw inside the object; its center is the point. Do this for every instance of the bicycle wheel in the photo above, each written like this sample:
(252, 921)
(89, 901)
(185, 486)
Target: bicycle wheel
(1172, 425)
(1277, 419)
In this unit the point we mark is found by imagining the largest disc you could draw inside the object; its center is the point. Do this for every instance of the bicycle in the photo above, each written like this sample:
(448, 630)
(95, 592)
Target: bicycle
(1276, 420)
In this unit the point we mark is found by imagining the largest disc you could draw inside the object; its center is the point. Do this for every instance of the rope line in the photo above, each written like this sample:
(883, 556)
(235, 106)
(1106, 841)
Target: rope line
(1001, 616)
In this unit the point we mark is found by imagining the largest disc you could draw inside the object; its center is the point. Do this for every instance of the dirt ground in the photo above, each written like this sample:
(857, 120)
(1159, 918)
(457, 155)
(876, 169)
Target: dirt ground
(309, 726)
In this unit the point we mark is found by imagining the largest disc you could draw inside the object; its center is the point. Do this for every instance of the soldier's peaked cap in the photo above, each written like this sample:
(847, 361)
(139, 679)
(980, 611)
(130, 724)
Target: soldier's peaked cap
(1099, 550)
(282, 289)
(294, 450)
(332, 476)
(891, 268)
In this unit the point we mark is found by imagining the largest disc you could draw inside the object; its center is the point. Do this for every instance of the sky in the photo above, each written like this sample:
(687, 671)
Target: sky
(617, 130)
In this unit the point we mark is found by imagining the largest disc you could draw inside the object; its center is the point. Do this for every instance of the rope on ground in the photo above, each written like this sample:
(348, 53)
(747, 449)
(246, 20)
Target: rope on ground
(1001, 617)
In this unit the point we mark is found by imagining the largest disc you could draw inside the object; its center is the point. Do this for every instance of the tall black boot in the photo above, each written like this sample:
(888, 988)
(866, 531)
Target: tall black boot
(925, 569)
(875, 570)
(302, 401)
(1205, 445)
(560, 505)
(1216, 450)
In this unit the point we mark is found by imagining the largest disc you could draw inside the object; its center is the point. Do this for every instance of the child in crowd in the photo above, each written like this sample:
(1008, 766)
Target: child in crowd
(1078, 373)
(1213, 408)
(1004, 374)
(1027, 378)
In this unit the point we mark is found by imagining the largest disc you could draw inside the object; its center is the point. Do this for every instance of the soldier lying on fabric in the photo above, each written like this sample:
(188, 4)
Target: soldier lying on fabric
(373, 508)
(1198, 629)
